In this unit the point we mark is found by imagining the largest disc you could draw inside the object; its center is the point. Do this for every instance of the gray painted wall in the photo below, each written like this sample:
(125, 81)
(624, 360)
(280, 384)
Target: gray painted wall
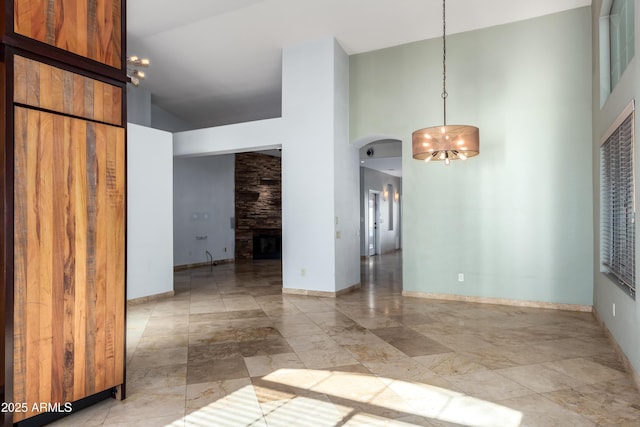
(162, 119)
(374, 180)
(203, 194)
(625, 325)
(517, 220)
(138, 106)
(142, 112)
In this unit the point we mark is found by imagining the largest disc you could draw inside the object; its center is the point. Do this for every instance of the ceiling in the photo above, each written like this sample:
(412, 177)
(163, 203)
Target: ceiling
(217, 62)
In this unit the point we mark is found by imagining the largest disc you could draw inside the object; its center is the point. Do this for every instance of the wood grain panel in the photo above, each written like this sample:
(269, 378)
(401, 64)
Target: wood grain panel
(20, 257)
(43, 86)
(68, 258)
(88, 28)
(60, 221)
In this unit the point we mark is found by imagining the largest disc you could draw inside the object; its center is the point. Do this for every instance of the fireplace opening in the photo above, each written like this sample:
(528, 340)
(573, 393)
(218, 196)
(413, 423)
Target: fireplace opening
(267, 247)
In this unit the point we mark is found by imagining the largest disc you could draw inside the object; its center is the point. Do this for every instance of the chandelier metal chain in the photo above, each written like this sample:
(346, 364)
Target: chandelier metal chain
(444, 63)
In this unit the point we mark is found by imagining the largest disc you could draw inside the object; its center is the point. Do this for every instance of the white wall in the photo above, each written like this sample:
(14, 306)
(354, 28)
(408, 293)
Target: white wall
(389, 240)
(319, 170)
(149, 211)
(203, 205)
(346, 185)
(235, 138)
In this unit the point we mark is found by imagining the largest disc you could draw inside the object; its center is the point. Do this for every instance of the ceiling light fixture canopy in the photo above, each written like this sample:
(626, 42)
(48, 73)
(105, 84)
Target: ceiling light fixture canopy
(133, 74)
(445, 142)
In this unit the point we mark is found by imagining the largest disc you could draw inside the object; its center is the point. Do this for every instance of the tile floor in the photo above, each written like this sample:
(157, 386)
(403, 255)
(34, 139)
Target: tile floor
(231, 350)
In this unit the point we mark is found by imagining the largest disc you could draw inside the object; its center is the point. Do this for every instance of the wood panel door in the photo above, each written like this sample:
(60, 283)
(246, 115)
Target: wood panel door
(89, 28)
(69, 258)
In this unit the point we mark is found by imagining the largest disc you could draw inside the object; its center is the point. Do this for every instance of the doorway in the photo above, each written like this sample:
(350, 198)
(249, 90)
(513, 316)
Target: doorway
(373, 215)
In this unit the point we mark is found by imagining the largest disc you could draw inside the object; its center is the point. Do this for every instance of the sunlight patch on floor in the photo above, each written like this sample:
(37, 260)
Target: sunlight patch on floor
(342, 398)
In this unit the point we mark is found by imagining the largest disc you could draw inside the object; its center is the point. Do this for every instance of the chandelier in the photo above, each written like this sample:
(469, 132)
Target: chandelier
(445, 142)
(134, 75)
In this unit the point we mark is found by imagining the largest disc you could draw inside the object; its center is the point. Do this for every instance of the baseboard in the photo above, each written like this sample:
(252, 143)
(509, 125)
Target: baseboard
(625, 360)
(150, 298)
(363, 257)
(499, 301)
(310, 293)
(202, 264)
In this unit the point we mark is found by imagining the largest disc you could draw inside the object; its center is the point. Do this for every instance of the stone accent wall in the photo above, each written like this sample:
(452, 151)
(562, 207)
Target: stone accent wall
(258, 204)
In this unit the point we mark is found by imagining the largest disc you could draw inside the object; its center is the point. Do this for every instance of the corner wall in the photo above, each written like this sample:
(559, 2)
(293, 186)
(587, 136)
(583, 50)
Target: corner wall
(625, 325)
(203, 208)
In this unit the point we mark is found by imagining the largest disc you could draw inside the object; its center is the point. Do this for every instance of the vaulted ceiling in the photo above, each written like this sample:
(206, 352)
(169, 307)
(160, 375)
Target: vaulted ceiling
(219, 61)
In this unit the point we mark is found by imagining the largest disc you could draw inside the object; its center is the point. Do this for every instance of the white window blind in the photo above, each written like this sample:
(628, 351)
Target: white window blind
(617, 213)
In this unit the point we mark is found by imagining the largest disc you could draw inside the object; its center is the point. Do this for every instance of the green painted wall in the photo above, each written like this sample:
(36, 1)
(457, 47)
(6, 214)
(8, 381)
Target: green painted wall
(518, 219)
(625, 325)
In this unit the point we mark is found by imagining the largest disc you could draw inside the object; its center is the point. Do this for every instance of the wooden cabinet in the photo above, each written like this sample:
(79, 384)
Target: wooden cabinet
(63, 239)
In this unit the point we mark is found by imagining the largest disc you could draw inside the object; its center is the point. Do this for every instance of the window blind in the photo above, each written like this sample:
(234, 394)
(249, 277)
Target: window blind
(617, 213)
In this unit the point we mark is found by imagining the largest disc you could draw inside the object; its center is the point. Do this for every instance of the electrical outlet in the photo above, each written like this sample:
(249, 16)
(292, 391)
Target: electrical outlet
(613, 308)
(225, 249)
(303, 272)
(460, 277)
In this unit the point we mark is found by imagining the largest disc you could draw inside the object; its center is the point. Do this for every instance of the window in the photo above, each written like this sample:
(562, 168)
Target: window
(617, 210)
(621, 38)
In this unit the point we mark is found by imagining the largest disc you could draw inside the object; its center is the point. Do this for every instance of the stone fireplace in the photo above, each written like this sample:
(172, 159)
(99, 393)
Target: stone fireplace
(258, 206)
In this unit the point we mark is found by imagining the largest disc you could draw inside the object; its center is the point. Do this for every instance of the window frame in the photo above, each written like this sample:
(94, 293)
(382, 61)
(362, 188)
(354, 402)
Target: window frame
(607, 86)
(617, 254)
(619, 41)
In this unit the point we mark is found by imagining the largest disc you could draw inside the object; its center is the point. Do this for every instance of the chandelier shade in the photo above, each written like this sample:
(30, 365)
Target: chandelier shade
(449, 142)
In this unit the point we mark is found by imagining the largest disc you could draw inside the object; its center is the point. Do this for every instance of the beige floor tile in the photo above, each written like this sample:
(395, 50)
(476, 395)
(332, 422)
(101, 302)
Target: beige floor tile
(224, 403)
(449, 364)
(538, 411)
(585, 370)
(318, 411)
(92, 416)
(311, 342)
(259, 366)
(327, 358)
(540, 378)
(151, 403)
(152, 377)
(143, 358)
(158, 342)
(489, 385)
